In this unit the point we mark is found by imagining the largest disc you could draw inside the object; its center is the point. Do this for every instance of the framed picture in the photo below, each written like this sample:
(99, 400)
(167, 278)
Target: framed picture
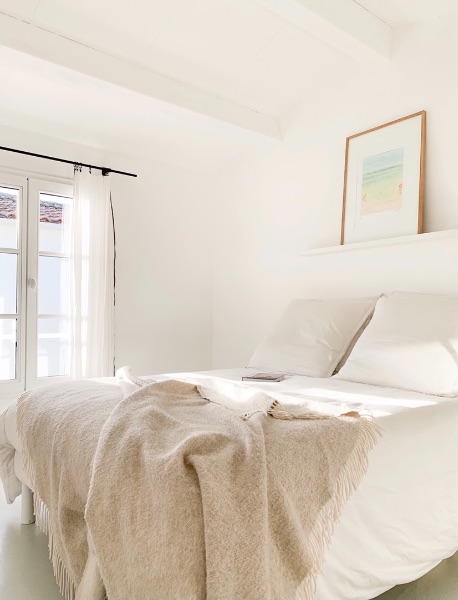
(384, 181)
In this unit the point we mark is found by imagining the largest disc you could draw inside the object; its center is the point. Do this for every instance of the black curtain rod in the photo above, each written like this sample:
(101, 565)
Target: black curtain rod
(105, 170)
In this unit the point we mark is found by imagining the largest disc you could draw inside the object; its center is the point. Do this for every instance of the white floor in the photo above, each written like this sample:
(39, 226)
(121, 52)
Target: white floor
(25, 570)
(26, 573)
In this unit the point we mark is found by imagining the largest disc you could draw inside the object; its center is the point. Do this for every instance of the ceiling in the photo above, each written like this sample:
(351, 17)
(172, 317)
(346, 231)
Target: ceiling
(231, 48)
(242, 58)
(404, 12)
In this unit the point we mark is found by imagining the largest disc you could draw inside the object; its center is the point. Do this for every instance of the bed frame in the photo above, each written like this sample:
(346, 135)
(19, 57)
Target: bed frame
(27, 514)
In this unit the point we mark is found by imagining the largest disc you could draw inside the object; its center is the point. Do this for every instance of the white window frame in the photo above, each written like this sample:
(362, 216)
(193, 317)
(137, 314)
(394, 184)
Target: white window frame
(27, 273)
(36, 186)
(15, 386)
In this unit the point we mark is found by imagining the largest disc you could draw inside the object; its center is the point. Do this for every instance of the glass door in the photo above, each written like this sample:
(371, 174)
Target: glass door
(48, 297)
(13, 223)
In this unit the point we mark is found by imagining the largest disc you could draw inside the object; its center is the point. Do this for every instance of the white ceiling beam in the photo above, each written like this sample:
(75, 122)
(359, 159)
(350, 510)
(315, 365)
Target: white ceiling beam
(212, 111)
(343, 24)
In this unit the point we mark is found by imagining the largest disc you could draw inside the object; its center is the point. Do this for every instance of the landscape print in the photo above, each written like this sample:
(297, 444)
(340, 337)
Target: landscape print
(382, 181)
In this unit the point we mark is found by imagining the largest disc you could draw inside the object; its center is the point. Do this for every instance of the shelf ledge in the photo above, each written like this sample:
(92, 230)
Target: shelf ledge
(396, 241)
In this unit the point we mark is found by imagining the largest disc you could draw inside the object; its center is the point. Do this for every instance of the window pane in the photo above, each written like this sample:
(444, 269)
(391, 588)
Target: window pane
(53, 347)
(7, 349)
(8, 274)
(8, 217)
(54, 222)
(53, 286)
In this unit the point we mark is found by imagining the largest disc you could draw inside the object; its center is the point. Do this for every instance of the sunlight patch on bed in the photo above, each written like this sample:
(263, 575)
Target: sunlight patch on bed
(357, 397)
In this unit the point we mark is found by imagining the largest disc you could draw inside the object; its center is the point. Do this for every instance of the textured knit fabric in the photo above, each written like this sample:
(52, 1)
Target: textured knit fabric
(187, 498)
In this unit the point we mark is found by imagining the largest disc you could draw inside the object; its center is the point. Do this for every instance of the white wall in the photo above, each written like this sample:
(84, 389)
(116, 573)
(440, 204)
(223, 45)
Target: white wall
(274, 206)
(163, 286)
(252, 221)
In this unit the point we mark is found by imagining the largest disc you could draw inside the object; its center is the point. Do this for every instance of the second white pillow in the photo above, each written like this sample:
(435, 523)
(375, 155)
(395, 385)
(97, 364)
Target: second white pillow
(410, 343)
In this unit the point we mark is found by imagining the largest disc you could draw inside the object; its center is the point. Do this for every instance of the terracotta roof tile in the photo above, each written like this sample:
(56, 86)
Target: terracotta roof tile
(50, 212)
(7, 206)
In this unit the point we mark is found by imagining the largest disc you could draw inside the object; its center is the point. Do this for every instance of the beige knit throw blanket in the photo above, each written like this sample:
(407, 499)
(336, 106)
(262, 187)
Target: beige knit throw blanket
(183, 498)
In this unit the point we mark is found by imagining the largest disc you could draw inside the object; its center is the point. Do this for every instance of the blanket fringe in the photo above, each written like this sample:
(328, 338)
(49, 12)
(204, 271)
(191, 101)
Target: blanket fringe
(64, 581)
(346, 483)
(277, 411)
(66, 586)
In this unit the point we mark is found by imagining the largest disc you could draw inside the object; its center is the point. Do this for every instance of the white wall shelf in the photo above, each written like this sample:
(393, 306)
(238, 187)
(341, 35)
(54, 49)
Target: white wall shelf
(397, 241)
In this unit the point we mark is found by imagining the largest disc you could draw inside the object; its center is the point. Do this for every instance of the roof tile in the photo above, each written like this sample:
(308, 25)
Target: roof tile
(50, 212)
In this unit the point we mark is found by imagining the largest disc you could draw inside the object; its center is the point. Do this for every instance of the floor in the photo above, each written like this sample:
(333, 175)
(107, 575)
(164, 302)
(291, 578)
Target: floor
(25, 570)
(26, 573)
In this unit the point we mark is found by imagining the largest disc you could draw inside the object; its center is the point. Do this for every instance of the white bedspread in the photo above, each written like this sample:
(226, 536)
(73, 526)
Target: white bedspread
(402, 520)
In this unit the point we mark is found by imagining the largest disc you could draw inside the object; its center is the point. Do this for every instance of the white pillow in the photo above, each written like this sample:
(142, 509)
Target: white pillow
(410, 343)
(312, 336)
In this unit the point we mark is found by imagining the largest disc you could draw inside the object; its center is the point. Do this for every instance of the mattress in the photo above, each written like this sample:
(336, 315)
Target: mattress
(403, 518)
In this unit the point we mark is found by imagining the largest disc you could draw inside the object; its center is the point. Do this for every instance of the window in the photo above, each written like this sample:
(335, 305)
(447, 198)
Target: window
(34, 282)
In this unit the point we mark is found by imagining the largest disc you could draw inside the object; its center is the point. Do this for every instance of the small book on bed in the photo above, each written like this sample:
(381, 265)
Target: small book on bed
(263, 377)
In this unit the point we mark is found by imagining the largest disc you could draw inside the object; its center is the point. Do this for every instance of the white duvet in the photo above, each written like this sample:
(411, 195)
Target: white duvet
(403, 518)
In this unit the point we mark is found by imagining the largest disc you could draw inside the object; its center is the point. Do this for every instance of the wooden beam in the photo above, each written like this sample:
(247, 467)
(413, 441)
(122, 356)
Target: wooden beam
(343, 24)
(216, 113)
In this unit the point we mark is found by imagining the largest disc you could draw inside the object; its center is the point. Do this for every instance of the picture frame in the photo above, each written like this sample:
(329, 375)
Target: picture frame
(384, 181)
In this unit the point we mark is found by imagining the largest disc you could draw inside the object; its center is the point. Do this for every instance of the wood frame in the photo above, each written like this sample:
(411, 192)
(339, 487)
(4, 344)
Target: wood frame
(413, 129)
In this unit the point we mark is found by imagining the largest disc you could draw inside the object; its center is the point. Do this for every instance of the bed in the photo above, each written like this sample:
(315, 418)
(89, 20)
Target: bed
(403, 517)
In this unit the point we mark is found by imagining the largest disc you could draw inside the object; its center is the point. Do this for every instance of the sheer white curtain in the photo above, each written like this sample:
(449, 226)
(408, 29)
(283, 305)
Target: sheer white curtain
(92, 277)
